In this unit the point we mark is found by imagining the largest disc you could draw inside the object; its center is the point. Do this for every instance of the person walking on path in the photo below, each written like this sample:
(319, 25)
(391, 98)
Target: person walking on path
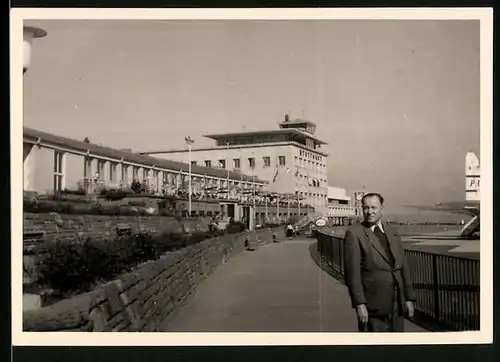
(290, 230)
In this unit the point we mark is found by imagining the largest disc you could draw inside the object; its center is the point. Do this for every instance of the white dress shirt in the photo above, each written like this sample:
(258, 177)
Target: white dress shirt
(379, 224)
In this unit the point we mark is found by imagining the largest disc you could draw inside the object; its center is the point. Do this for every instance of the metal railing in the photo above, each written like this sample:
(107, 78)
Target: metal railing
(446, 287)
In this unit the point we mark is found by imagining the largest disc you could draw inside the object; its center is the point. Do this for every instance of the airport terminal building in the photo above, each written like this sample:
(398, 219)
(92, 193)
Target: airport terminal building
(340, 205)
(291, 159)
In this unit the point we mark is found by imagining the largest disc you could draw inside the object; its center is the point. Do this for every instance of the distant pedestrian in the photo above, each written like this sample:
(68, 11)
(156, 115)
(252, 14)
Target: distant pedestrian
(289, 230)
(376, 272)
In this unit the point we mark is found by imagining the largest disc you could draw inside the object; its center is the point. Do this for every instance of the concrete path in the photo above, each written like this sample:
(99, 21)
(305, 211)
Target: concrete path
(277, 288)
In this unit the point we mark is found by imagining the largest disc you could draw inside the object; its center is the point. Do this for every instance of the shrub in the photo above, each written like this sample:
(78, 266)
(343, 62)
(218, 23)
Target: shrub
(48, 206)
(79, 192)
(136, 186)
(166, 212)
(77, 266)
(235, 227)
(64, 266)
(114, 194)
(141, 203)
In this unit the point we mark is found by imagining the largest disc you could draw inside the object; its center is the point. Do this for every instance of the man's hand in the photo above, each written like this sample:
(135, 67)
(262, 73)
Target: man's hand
(410, 308)
(362, 313)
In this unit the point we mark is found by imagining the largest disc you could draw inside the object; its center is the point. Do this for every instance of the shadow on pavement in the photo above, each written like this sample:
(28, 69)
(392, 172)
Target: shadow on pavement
(418, 319)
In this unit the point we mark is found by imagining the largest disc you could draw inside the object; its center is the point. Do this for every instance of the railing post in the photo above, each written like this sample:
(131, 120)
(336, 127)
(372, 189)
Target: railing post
(340, 255)
(435, 286)
(341, 261)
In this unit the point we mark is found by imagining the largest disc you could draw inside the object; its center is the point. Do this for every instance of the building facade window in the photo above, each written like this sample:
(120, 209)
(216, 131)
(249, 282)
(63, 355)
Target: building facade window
(236, 163)
(193, 162)
(251, 162)
(267, 161)
(222, 163)
(100, 169)
(124, 173)
(156, 180)
(58, 171)
(282, 160)
(208, 163)
(112, 171)
(87, 168)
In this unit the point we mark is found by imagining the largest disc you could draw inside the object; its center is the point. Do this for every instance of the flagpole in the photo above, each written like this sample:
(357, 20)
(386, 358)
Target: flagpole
(241, 186)
(241, 178)
(298, 189)
(278, 207)
(189, 142)
(189, 147)
(298, 202)
(265, 202)
(254, 212)
(227, 167)
(288, 206)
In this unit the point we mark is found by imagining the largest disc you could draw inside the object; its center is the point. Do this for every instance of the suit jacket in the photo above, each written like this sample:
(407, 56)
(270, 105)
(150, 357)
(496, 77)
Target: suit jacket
(368, 272)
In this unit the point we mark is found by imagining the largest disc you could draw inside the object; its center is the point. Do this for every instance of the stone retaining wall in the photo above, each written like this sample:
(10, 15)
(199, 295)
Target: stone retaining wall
(146, 298)
(100, 226)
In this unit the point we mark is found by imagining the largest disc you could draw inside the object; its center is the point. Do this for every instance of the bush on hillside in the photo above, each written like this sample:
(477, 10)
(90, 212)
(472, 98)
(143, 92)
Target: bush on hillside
(235, 227)
(48, 206)
(77, 266)
(71, 265)
(80, 192)
(115, 194)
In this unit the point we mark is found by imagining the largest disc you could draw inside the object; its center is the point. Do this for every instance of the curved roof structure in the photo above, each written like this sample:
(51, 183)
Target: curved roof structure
(34, 136)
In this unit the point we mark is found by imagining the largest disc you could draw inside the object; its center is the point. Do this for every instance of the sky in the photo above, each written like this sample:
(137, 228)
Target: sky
(396, 101)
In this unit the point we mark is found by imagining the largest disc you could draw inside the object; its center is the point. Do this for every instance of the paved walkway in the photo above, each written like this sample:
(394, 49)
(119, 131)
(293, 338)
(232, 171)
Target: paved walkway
(277, 288)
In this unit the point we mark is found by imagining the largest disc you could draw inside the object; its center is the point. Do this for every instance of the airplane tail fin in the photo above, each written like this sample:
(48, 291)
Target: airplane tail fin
(472, 177)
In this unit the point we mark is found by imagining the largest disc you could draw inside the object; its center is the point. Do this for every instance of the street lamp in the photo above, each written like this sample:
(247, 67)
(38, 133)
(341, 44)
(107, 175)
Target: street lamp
(254, 212)
(30, 33)
(189, 142)
(227, 168)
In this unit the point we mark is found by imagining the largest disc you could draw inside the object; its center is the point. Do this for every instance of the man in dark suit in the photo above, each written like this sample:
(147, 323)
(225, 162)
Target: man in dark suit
(376, 272)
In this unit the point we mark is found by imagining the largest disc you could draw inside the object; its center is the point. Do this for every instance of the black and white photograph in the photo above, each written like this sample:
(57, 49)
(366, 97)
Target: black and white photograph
(309, 176)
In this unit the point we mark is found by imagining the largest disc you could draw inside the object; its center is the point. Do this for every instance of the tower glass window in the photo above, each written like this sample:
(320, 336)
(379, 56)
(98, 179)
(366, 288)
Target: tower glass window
(236, 163)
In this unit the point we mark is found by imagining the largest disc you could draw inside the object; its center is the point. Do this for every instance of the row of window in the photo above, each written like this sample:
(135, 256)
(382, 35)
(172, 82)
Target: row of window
(314, 182)
(310, 155)
(251, 162)
(311, 165)
(340, 208)
(311, 194)
(112, 171)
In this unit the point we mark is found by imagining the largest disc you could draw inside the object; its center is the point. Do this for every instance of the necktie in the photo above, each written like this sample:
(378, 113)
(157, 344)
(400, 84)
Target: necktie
(378, 232)
(383, 240)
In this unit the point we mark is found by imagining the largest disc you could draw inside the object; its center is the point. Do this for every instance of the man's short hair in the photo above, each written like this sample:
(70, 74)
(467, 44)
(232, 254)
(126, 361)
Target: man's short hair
(373, 194)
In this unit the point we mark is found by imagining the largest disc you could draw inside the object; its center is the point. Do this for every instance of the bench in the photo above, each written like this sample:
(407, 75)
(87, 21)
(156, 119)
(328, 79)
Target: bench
(123, 230)
(31, 236)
